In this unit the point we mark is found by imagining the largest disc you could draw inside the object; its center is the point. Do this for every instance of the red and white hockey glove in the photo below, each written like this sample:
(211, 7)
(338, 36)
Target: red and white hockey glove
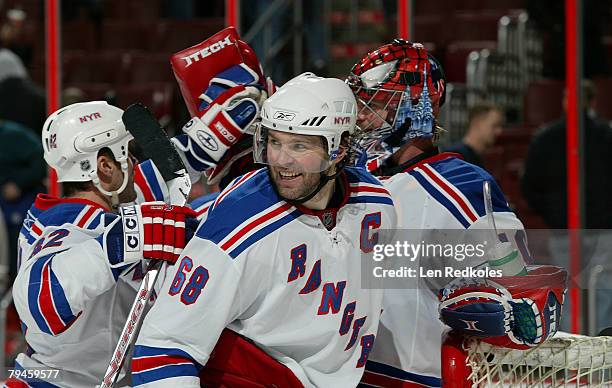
(152, 230)
(514, 311)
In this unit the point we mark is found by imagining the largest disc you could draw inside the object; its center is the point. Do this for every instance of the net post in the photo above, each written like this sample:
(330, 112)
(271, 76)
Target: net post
(455, 369)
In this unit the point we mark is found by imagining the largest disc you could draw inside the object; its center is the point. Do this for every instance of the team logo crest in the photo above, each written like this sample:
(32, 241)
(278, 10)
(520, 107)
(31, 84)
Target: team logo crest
(85, 165)
(328, 219)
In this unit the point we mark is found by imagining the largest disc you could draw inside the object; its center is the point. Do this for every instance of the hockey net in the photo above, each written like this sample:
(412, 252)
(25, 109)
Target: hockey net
(566, 360)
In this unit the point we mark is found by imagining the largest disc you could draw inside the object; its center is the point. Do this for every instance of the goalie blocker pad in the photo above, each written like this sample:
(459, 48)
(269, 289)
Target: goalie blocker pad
(196, 66)
(514, 311)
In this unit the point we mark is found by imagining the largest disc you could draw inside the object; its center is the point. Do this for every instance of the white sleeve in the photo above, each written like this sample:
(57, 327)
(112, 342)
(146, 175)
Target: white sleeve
(202, 293)
(53, 286)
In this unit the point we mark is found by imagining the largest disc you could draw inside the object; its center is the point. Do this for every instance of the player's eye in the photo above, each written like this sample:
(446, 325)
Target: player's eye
(299, 147)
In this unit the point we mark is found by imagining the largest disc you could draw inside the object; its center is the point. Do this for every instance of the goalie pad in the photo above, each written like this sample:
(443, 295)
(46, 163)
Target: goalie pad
(514, 311)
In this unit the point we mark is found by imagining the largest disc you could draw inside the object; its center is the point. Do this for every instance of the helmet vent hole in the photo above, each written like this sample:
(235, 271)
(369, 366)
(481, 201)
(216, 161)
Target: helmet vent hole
(338, 106)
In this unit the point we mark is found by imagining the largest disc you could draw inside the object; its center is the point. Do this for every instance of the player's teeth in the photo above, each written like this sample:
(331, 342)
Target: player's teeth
(288, 175)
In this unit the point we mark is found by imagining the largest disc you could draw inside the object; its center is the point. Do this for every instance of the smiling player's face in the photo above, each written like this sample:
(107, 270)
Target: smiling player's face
(295, 163)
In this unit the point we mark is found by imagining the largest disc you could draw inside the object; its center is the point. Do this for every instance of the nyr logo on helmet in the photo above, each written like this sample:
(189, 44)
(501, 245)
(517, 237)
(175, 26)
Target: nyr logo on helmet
(91, 117)
(342, 120)
(206, 51)
(285, 116)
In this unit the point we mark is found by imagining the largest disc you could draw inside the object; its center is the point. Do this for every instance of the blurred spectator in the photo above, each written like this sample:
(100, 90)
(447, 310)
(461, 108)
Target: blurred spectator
(22, 170)
(21, 100)
(485, 124)
(544, 182)
(544, 186)
(12, 35)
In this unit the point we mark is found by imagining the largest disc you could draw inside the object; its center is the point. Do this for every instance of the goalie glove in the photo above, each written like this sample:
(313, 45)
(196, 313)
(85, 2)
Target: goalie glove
(152, 230)
(223, 86)
(514, 311)
(229, 110)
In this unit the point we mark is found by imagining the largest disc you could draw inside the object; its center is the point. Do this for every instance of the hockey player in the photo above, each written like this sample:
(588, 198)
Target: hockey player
(400, 89)
(277, 259)
(82, 255)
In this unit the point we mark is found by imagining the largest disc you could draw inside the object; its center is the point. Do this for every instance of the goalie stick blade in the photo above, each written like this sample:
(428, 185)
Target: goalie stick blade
(154, 141)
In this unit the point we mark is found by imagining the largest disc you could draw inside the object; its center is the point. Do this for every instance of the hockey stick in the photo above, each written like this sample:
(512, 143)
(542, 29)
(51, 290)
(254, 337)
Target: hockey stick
(156, 146)
(486, 190)
(506, 257)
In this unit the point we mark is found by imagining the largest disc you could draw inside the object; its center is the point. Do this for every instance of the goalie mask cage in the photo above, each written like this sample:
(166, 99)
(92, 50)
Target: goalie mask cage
(566, 360)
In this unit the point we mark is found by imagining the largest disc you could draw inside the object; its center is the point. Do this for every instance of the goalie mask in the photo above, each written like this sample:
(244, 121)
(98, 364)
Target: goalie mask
(399, 88)
(72, 137)
(306, 105)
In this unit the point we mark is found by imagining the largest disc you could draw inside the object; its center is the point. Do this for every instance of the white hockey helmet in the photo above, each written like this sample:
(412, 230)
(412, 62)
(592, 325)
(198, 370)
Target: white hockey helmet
(73, 135)
(308, 105)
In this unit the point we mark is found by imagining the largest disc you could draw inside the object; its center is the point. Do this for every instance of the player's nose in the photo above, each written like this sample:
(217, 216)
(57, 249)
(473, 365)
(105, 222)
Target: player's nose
(284, 159)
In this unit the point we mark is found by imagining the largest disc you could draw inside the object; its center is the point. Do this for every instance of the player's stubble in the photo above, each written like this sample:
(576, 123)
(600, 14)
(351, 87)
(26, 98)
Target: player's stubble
(293, 188)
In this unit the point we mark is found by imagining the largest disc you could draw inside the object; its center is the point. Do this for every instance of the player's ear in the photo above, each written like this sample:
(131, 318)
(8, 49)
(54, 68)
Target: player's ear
(343, 149)
(106, 167)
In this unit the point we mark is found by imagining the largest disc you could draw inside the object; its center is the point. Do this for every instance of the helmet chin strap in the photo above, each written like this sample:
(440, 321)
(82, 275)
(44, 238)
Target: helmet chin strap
(114, 195)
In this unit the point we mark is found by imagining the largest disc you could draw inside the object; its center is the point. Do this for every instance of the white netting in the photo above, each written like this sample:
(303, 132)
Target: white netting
(566, 360)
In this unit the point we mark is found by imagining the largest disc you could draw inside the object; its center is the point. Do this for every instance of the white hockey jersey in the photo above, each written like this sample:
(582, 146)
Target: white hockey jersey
(273, 273)
(440, 192)
(70, 301)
